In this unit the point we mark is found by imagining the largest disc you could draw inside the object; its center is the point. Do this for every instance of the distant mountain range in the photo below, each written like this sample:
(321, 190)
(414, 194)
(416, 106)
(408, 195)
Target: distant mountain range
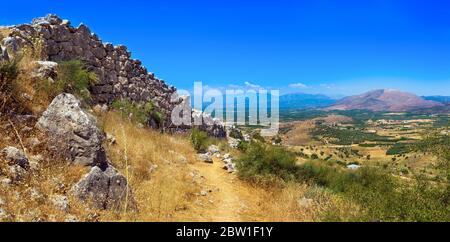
(305, 101)
(385, 100)
(441, 99)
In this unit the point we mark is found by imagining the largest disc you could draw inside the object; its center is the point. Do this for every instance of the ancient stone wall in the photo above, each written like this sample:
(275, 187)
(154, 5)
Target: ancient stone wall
(119, 75)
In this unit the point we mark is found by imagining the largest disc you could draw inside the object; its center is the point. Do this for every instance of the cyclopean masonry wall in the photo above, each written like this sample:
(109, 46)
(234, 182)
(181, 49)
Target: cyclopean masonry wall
(119, 75)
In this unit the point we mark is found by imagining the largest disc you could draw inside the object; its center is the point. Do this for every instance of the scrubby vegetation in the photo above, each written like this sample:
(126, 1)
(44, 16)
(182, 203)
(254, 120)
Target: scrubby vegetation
(74, 78)
(9, 71)
(383, 196)
(399, 149)
(137, 112)
(199, 140)
(348, 136)
(262, 162)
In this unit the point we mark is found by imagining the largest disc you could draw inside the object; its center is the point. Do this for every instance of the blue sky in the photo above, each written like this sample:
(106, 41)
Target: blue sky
(331, 47)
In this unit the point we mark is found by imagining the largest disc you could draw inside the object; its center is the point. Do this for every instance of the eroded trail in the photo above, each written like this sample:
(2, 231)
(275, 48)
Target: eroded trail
(229, 199)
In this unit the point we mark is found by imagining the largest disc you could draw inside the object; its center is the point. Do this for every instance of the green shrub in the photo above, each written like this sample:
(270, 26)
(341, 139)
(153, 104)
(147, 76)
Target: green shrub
(157, 116)
(137, 112)
(384, 197)
(257, 136)
(74, 78)
(243, 145)
(199, 140)
(399, 149)
(236, 133)
(267, 162)
(9, 71)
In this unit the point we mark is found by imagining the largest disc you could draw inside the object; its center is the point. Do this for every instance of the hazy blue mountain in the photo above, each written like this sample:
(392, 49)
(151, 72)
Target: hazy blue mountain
(305, 101)
(441, 99)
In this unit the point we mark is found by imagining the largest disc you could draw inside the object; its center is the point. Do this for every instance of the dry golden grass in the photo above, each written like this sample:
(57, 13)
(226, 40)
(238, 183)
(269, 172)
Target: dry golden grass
(27, 94)
(4, 32)
(30, 198)
(167, 193)
(295, 202)
(34, 97)
(299, 134)
(163, 194)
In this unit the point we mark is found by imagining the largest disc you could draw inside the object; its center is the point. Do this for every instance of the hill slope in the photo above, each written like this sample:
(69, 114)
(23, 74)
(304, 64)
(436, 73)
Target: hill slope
(384, 100)
(441, 99)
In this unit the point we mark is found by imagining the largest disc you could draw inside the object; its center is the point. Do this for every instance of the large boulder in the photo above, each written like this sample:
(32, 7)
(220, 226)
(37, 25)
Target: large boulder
(106, 189)
(73, 132)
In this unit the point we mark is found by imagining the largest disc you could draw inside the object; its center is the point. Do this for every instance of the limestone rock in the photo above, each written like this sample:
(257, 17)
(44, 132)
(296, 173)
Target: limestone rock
(14, 157)
(3, 54)
(104, 189)
(12, 43)
(16, 173)
(213, 127)
(233, 143)
(45, 70)
(60, 202)
(50, 19)
(205, 158)
(213, 149)
(73, 131)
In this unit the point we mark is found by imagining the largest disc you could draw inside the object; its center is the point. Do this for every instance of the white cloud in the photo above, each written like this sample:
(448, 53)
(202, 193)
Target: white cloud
(251, 85)
(298, 85)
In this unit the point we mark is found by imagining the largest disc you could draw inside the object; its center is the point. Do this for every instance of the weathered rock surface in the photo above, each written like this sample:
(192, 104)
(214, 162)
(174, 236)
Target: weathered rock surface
(73, 131)
(60, 202)
(3, 54)
(212, 126)
(229, 165)
(14, 157)
(213, 149)
(120, 76)
(45, 70)
(233, 143)
(105, 190)
(16, 173)
(205, 158)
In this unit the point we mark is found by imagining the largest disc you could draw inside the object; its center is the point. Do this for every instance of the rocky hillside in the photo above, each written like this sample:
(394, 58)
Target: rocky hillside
(384, 100)
(61, 88)
(119, 76)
